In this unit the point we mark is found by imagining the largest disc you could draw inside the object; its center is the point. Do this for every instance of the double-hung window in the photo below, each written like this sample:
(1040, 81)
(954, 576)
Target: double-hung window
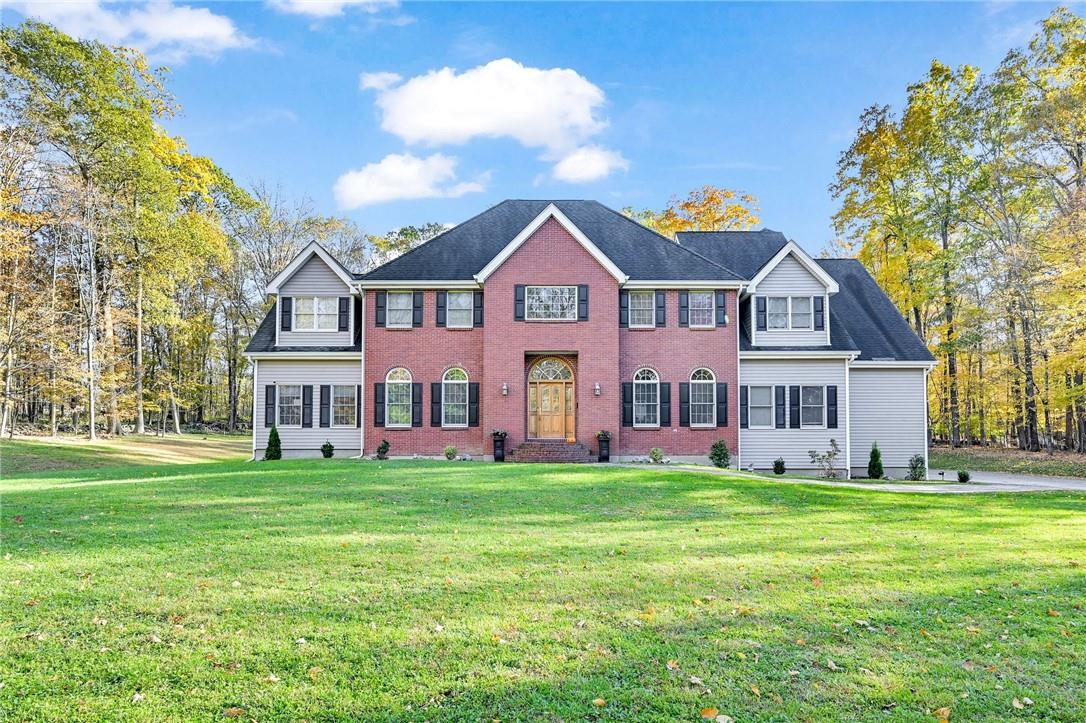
(646, 398)
(789, 312)
(398, 398)
(642, 309)
(316, 313)
(290, 405)
(399, 310)
(701, 309)
(760, 407)
(459, 309)
(801, 312)
(344, 405)
(702, 398)
(812, 407)
(454, 399)
(551, 303)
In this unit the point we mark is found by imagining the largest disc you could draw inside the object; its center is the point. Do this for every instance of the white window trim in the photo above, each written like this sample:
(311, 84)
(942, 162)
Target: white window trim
(801, 405)
(772, 407)
(410, 322)
(652, 307)
(551, 286)
(712, 385)
(279, 405)
(712, 308)
(332, 406)
(471, 310)
(410, 387)
(811, 313)
(656, 383)
(316, 316)
(467, 401)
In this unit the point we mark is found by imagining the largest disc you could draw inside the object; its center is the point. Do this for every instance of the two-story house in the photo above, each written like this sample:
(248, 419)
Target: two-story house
(555, 320)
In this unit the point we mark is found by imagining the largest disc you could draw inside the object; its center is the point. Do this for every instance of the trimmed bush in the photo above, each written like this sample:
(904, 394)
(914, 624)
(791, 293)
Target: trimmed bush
(778, 465)
(874, 462)
(656, 455)
(327, 449)
(382, 449)
(918, 469)
(719, 454)
(963, 476)
(274, 450)
(450, 452)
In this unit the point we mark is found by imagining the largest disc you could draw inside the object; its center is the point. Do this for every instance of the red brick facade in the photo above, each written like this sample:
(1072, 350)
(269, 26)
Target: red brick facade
(601, 353)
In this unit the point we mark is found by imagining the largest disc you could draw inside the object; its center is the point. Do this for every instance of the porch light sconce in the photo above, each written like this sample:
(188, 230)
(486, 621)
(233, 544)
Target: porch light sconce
(725, 318)
(597, 389)
(505, 389)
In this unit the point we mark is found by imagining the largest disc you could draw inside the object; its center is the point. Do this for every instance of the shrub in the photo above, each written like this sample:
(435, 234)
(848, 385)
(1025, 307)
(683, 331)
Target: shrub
(719, 454)
(327, 449)
(778, 465)
(656, 455)
(963, 476)
(874, 463)
(382, 449)
(450, 452)
(826, 461)
(918, 469)
(274, 450)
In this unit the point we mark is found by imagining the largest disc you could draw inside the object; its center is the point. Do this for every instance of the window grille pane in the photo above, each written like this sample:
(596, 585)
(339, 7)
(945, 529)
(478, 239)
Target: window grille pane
(459, 309)
(551, 303)
(398, 404)
(760, 396)
(343, 405)
(399, 308)
(801, 312)
(811, 406)
(702, 403)
(642, 308)
(455, 402)
(761, 417)
(646, 398)
(701, 308)
(760, 406)
(778, 312)
(290, 405)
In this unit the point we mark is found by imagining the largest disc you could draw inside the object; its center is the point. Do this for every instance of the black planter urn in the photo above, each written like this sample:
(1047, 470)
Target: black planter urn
(499, 449)
(605, 450)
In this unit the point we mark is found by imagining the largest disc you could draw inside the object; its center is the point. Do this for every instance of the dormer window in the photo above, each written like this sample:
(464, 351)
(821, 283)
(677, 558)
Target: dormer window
(316, 313)
(789, 313)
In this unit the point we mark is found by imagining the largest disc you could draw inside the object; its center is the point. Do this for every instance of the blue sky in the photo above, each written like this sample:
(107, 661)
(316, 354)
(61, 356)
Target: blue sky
(630, 104)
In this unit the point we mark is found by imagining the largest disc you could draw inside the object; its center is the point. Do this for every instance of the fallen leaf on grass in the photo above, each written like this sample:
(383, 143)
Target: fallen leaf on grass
(942, 714)
(754, 689)
(1019, 705)
(272, 678)
(1053, 613)
(831, 665)
(599, 702)
(673, 665)
(314, 672)
(234, 712)
(710, 713)
(137, 697)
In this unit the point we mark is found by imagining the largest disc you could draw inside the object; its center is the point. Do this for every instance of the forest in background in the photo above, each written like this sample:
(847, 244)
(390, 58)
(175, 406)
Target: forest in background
(132, 270)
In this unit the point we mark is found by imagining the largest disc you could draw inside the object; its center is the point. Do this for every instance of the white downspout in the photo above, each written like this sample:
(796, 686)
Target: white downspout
(256, 385)
(362, 378)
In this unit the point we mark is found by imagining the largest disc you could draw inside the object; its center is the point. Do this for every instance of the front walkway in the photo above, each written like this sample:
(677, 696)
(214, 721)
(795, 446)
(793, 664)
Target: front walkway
(982, 482)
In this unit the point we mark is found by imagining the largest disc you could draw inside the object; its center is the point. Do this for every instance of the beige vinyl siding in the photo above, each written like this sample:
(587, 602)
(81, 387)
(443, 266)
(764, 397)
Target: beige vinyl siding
(315, 278)
(887, 406)
(761, 446)
(313, 372)
(790, 278)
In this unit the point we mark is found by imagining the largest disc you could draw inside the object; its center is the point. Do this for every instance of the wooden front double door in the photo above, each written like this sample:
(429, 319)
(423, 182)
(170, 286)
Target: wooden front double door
(552, 400)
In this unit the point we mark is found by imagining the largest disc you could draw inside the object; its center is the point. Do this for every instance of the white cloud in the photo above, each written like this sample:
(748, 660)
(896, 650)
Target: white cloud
(399, 177)
(159, 28)
(589, 163)
(329, 8)
(378, 81)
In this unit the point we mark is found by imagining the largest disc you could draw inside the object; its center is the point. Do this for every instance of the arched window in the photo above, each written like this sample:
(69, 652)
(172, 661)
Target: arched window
(398, 398)
(550, 370)
(646, 388)
(702, 398)
(454, 398)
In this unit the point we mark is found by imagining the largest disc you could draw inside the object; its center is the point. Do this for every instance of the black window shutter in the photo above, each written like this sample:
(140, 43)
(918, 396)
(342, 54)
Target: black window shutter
(623, 308)
(582, 302)
(358, 320)
(778, 399)
(307, 405)
(435, 404)
(684, 308)
(627, 404)
(665, 404)
(819, 313)
(416, 316)
(518, 302)
(357, 405)
(477, 309)
(416, 404)
(440, 304)
(720, 308)
(286, 309)
(722, 404)
(269, 405)
(661, 308)
(831, 407)
(793, 407)
(344, 313)
(379, 404)
(760, 306)
(744, 410)
(684, 404)
(381, 299)
(473, 404)
(325, 415)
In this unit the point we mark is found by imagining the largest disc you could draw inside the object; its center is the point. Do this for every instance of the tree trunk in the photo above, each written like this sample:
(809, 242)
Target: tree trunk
(138, 370)
(1016, 381)
(1032, 442)
(951, 341)
(1080, 413)
(174, 411)
(111, 364)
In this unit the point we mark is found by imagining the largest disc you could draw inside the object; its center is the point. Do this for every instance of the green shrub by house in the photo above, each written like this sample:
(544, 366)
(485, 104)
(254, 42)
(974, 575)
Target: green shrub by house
(719, 454)
(874, 463)
(274, 450)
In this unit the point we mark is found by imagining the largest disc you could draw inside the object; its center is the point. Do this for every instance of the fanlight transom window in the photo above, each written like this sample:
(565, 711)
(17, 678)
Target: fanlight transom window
(550, 370)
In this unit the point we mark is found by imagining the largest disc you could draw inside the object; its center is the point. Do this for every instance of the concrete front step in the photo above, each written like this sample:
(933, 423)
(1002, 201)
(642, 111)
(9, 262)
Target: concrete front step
(551, 451)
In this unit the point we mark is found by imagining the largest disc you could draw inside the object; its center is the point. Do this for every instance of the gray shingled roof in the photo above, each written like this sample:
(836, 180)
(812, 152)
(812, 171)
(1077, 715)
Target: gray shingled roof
(745, 252)
(264, 339)
(463, 251)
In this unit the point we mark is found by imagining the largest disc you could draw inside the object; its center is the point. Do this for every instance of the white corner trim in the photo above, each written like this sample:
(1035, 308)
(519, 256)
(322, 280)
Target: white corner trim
(314, 248)
(551, 211)
(893, 364)
(804, 259)
(256, 386)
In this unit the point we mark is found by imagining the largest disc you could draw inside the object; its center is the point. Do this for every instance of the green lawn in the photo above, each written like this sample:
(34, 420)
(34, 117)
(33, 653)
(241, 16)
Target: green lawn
(43, 454)
(994, 459)
(346, 590)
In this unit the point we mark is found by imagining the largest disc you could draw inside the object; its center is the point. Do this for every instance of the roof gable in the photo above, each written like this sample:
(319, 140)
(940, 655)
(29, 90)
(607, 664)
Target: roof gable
(792, 249)
(313, 249)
